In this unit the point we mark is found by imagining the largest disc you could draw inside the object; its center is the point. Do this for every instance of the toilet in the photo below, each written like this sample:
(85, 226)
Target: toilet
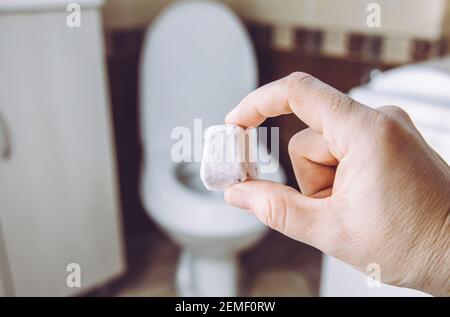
(197, 63)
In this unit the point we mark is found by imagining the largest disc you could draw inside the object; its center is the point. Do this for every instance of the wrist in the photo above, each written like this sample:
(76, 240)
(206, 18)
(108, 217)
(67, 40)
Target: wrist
(434, 275)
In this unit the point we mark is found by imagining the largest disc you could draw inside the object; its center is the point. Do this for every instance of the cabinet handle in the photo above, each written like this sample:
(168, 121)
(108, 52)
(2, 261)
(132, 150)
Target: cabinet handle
(5, 145)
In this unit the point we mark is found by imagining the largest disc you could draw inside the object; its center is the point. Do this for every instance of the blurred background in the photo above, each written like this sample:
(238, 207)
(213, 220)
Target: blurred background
(71, 191)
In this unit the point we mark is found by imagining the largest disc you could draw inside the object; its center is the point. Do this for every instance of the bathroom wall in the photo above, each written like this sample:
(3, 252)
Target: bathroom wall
(416, 18)
(410, 29)
(129, 14)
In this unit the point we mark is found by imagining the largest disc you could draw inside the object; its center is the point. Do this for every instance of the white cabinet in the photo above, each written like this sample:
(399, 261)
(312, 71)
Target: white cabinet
(58, 185)
(5, 281)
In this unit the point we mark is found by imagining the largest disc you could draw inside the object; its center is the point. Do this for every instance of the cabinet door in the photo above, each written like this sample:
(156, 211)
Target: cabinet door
(58, 197)
(5, 274)
(2, 288)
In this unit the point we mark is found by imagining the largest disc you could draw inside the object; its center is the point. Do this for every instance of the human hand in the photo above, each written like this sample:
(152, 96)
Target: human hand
(373, 191)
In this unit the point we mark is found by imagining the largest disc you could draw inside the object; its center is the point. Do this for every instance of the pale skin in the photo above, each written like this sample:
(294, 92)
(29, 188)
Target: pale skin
(372, 190)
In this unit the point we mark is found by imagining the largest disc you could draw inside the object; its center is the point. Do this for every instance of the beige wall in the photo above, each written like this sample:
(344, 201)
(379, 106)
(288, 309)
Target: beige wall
(409, 18)
(125, 14)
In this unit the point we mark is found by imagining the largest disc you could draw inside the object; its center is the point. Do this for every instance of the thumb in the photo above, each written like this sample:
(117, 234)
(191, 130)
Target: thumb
(281, 208)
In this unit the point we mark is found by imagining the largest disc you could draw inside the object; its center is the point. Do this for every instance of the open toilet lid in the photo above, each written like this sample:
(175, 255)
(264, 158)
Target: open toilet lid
(197, 62)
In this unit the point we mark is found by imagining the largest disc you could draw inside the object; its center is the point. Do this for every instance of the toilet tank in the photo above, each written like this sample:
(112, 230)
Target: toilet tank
(423, 91)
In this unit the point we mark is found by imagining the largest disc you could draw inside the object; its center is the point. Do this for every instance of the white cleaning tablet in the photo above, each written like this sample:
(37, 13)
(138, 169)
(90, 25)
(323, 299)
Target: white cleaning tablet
(229, 156)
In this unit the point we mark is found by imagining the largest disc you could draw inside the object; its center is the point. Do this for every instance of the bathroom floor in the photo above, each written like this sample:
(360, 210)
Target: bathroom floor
(278, 266)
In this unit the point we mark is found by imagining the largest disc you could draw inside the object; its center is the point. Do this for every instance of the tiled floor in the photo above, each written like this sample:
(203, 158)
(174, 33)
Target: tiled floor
(277, 266)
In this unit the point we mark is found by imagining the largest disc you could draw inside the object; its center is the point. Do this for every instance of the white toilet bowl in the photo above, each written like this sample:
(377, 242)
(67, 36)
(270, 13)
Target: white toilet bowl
(198, 62)
(210, 233)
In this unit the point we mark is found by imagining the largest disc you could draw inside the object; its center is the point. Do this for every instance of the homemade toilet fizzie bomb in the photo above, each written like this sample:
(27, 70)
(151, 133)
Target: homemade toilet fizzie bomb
(229, 156)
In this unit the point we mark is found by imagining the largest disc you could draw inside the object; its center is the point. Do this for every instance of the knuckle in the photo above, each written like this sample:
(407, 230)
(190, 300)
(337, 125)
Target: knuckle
(275, 212)
(387, 128)
(395, 112)
(298, 75)
(297, 78)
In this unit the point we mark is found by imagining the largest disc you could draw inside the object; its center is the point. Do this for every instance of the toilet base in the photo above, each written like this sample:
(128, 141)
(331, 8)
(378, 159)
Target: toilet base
(200, 275)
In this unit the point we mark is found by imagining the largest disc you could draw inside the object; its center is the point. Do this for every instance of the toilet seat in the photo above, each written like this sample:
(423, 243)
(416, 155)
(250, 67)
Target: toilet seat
(197, 63)
(182, 209)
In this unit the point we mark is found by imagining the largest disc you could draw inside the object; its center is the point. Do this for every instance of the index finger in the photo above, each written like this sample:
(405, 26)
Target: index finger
(319, 105)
